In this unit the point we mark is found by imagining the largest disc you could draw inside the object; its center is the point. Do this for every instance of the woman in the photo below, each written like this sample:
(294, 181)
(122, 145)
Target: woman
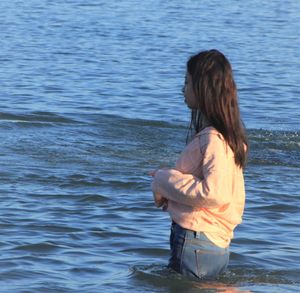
(205, 194)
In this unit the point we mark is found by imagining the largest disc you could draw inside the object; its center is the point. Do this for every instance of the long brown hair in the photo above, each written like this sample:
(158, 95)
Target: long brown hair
(216, 92)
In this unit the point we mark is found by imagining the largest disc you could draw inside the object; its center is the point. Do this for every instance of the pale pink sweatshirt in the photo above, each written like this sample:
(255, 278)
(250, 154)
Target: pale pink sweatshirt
(206, 190)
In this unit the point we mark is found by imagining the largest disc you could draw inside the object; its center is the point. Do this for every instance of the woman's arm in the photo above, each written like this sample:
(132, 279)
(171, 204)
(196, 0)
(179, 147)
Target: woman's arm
(187, 189)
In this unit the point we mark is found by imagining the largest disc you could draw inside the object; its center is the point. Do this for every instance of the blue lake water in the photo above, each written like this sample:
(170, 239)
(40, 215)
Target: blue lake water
(91, 101)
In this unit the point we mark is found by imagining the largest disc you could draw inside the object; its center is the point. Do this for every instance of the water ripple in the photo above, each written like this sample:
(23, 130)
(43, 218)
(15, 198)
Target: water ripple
(91, 102)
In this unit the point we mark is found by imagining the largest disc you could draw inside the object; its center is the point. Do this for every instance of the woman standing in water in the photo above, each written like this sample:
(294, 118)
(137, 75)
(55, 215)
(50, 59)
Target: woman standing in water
(205, 194)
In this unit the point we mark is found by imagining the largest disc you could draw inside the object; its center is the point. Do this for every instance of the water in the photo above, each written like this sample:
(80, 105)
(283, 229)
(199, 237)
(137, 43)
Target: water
(90, 102)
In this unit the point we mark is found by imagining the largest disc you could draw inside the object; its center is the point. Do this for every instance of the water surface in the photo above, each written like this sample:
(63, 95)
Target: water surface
(91, 101)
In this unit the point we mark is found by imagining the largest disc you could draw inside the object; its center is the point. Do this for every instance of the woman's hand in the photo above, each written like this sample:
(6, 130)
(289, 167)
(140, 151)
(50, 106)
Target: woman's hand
(159, 200)
(152, 173)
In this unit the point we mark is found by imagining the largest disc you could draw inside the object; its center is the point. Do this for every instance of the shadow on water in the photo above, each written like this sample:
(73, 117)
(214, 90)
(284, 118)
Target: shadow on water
(158, 278)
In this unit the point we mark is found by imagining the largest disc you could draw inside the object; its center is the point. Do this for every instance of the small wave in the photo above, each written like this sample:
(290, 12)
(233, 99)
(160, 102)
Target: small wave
(282, 208)
(53, 228)
(250, 275)
(82, 181)
(94, 198)
(86, 270)
(42, 247)
(19, 274)
(119, 121)
(96, 182)
(80, 198)
(111, 234)
(272, 138)
(36, 118)
(156, 274)
(274, 148)
(235, 279)
(285, 140)
(290, 139)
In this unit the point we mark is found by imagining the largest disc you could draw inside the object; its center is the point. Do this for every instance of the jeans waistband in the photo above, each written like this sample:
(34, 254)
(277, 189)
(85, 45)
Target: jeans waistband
(196, 235)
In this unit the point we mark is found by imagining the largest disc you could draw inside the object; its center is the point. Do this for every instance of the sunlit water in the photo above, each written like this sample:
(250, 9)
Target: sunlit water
(90, 96)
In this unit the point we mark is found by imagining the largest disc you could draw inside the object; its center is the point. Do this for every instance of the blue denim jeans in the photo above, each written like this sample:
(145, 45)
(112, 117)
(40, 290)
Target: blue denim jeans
(194, 255)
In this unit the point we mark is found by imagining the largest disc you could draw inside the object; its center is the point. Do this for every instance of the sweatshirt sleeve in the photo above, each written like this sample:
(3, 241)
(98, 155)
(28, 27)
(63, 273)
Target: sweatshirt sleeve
(189, 190)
